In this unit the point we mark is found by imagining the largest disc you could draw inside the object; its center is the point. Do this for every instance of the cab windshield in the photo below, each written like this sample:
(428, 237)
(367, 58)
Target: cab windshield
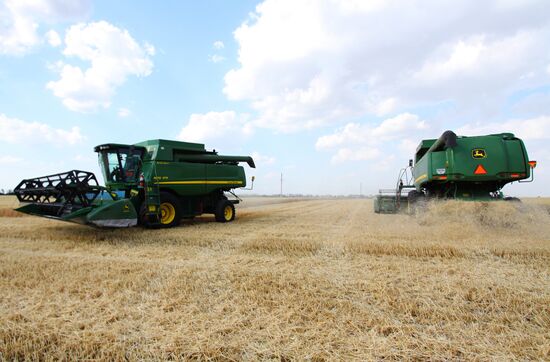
(120, 165)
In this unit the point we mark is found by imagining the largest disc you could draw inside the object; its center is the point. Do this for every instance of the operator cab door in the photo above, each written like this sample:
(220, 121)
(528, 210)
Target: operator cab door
(120, 164)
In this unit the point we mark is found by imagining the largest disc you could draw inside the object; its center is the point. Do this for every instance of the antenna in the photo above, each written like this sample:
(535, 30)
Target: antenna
(281, 184)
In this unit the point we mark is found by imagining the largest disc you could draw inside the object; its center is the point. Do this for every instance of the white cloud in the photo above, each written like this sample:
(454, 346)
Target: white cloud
(20, 21)
(305, 64)
(218, 45)
(216, 58)
(537, 128)
(149, 48)
(7, 159)
(262, 160)
(533, 104)
(113, 55)
(482, 66)
(215, 125)
(363, 142)
(13, 130)
(53, 38)
(124, 112)
(357, 154)
(398, 127)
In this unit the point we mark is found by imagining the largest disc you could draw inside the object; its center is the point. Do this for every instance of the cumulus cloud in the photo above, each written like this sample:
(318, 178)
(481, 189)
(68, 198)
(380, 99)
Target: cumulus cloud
(537, 128)
(306, 64)
(401, 135)
(389, 129)
(7, 159)
(215, 125)
(123, 112)
(357, 154)
(262, 160)
(361, 142)
(216, 58)
(53, 38)
(20, 21)
(13, 130)
(113, 56)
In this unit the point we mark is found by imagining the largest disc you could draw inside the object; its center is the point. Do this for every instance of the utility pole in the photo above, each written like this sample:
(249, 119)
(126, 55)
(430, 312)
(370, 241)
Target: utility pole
(281, 184)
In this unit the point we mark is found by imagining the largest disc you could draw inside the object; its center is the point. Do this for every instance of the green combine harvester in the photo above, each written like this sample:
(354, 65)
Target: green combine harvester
(453, 167)
(154, 183)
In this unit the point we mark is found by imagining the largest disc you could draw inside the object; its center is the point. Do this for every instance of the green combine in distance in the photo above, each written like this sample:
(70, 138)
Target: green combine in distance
(459, 167)
(154, 183)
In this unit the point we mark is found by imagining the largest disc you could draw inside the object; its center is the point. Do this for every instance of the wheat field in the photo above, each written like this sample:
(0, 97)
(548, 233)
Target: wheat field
(290, 279)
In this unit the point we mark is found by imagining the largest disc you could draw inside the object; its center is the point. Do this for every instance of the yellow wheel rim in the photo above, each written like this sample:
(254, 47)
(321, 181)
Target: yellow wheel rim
(167, 213)
(228, 213)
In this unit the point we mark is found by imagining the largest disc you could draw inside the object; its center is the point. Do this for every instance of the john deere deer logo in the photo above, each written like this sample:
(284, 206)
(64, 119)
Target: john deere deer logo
(478, 153)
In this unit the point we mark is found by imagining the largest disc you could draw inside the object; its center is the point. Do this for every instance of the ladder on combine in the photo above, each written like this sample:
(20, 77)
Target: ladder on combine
(152, 201)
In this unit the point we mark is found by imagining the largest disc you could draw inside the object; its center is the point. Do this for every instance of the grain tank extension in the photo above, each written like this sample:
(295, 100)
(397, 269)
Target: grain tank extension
(155, 183)
(459, 167)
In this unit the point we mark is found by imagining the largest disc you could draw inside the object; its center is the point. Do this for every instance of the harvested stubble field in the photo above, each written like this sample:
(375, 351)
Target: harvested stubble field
(306, 280)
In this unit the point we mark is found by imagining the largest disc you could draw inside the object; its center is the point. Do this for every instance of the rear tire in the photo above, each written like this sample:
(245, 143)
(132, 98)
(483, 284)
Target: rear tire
(225, 211)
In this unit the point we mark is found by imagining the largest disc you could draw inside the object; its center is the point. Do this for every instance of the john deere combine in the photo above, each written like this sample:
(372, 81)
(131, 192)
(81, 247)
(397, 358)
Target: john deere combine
(452, 167)
(154, 183)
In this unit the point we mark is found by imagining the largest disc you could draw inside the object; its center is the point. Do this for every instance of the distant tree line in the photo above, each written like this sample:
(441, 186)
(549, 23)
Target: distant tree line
(6, 192)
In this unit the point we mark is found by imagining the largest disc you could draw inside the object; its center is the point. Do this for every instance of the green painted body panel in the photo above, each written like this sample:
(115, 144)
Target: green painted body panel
(163, 150)
(503, 157)
(108, 213)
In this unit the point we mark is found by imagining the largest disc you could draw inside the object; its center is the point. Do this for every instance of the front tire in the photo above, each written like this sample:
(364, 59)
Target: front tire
(170, 210)
(413, 196)
(415, 200)
(225, 211)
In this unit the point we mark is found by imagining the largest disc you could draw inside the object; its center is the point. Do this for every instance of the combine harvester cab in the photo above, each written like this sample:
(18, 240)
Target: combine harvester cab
(154, 183)
(453, 167)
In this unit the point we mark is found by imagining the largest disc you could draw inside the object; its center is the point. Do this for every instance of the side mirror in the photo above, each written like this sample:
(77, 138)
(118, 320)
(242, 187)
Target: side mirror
(253, 178)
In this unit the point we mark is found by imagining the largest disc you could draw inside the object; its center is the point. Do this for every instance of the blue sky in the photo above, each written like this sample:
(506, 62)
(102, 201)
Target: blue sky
(332, 94)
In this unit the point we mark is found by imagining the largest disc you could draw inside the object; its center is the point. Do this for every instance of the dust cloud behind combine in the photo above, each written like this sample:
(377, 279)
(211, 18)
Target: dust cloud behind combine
(308, 279)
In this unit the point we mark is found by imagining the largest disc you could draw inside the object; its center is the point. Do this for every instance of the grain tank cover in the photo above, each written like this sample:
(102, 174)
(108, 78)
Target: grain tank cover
(176, 151)
(164, 150)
